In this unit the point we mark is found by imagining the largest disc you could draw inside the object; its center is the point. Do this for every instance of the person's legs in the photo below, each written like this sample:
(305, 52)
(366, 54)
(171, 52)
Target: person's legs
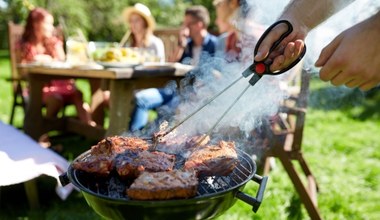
(99, 104)
(169, 105)
(83, 109)
(54, 103)
(145, 99)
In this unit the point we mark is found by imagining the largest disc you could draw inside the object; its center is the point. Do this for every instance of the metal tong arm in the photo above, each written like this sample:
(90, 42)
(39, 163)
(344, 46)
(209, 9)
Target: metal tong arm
(225, 112)
(200, 108)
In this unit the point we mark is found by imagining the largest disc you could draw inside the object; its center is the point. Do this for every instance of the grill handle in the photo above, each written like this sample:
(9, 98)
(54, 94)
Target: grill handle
(255, 202)
(64, 179)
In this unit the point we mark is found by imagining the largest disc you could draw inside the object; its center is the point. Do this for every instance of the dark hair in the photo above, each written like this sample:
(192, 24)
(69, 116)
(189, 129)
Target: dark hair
(37, 15)
(200, 13)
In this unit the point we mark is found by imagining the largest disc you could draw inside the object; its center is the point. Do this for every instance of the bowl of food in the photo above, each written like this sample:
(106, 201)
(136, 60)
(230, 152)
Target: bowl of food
(117, 56)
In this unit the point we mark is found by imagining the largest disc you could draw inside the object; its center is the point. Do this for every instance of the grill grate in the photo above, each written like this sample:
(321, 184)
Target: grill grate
(113, 187)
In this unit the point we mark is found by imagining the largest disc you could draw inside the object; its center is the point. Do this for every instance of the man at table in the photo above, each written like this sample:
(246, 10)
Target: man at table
(200, 44)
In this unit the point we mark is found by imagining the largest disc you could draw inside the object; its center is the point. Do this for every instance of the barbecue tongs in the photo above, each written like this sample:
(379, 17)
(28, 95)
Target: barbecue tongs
(258, 69)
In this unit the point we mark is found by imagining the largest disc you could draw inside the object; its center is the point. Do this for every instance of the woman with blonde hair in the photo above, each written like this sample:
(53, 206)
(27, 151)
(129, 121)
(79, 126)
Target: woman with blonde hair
(142, 24)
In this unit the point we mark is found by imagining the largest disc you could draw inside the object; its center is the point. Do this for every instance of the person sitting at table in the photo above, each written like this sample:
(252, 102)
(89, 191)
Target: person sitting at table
(199, 45)
(39, 44)
(200, 42)
(141, 25)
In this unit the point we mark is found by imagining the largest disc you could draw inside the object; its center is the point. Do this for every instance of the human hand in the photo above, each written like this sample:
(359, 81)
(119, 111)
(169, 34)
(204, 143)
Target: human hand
(288, 50)
(183, 36)
(353, 57)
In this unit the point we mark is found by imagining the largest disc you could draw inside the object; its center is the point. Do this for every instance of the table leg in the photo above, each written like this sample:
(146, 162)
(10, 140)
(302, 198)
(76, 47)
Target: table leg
(121, 106)
(33, 121)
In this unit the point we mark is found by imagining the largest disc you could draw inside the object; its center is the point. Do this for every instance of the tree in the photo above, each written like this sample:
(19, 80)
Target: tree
(99, 20)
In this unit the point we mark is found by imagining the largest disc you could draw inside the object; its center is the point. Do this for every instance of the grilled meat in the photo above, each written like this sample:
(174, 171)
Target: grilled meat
(154, 174)
(164, 185)
(181, 144)
(130, 163)
(100, 159)
(98, 165)
(114, 145)
(213, 160)
(197, 141)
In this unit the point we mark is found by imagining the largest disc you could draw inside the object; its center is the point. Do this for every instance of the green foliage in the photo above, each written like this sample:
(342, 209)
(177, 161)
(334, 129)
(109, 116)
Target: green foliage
(99, 20)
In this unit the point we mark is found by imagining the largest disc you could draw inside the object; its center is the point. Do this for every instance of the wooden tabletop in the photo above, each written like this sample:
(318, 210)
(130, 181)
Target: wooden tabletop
(122, 81)
(88, 71)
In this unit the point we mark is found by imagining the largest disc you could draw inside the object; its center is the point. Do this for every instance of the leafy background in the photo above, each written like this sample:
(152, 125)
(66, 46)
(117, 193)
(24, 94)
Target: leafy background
(99, 20)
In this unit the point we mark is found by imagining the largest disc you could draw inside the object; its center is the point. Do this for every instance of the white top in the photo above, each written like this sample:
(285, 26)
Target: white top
(221, 44)
(196, 55)
(157, 47)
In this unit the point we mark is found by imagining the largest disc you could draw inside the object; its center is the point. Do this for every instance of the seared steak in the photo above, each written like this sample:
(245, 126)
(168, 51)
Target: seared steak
(164, 185)
(98, 165)
(213, 160)
(114, 145)
(100, 159)
(197, 141)
(130, 163)
(181, 144)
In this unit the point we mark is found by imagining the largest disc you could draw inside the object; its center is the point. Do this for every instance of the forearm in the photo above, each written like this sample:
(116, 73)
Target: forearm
(311, 13)
(376, 19)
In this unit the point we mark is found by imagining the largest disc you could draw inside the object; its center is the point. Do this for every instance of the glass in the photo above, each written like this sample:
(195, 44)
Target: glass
(149, 55)
(76, 51)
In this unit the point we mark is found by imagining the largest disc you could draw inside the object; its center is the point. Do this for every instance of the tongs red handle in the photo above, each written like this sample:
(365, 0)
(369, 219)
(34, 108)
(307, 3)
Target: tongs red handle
(261, 68)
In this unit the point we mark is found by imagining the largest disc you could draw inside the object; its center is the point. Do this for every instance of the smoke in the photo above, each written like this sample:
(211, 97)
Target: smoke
(261, 101)
(228, 117)
(256, 102)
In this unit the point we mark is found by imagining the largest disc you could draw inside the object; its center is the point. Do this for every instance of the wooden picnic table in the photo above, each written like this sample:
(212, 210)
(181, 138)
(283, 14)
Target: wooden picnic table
(122, 83)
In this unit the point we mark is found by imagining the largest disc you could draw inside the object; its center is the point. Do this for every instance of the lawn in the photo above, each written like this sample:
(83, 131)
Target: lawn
(341, 144)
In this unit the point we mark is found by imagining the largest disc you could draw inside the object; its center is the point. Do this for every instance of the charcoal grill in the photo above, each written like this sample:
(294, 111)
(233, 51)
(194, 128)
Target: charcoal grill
(215, 195)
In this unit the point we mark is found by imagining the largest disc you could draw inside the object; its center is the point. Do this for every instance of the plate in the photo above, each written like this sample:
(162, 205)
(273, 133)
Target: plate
(95, 66)
(118, 64)
(155, 66)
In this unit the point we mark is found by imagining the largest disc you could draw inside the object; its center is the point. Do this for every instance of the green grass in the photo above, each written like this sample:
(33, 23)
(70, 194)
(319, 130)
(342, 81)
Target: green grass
(341, 144)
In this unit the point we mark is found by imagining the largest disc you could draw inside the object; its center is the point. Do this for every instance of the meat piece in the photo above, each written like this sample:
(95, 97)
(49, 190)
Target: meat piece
(181, 144)
(131, 163)
(197, 141)
(164, 185)
(100, 159)
(117, 144)
(99, 165)
(213, 160)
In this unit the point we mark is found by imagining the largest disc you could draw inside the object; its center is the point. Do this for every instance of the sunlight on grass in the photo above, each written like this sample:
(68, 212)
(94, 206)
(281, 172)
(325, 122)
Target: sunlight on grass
(343, 153)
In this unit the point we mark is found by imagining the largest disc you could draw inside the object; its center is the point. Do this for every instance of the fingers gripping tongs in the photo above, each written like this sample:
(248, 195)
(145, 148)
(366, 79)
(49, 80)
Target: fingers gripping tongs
(258, 69)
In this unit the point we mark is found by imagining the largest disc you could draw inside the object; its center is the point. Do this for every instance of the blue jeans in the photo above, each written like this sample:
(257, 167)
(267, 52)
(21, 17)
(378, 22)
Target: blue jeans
(148, 99)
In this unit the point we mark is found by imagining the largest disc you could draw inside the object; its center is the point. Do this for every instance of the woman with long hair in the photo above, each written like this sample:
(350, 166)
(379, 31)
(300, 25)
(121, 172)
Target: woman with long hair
(141, 25)
(40, 45)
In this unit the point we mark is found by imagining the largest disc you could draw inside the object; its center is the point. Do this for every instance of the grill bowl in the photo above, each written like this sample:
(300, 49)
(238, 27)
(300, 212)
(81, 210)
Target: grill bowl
(215, 195)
